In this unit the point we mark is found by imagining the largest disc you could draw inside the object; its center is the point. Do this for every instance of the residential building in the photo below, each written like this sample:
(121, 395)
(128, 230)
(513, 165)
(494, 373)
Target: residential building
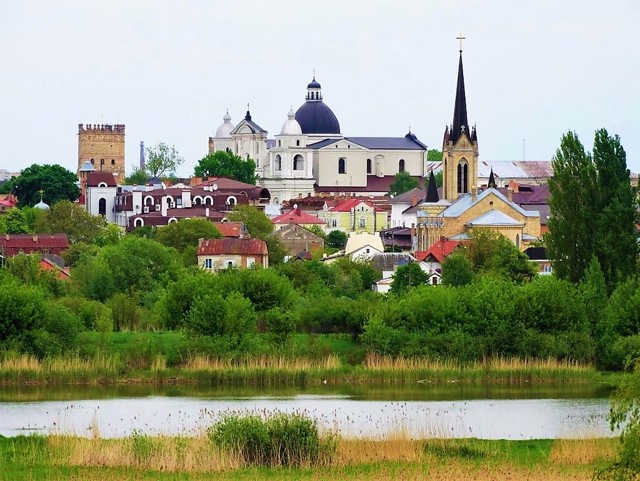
(218, 254)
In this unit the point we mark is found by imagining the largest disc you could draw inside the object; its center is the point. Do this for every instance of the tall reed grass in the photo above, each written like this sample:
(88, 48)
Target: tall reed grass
(18, 369)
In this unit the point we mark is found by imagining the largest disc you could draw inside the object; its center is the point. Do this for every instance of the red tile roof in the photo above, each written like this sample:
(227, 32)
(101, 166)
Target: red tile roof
(14, 244)
(94, 179)
(229, 245)
(229, 229)
(297, 216)
(439, 251)
(349, 204)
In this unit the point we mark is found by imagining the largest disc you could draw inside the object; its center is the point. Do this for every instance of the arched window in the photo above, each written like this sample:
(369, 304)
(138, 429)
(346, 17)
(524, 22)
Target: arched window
(102, 206)
(298, 162)
(148, 200)
(298, 143)
(139, 222)
(208, 200)
(342, 165)
(401, 165)
(113, 162)
(278, 162)
(231, 201)
(93, 161)
(368, 166)
(463, 178)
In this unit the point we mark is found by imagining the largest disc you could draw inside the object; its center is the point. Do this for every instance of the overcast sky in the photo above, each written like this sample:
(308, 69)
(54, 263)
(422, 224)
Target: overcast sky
(169, 70)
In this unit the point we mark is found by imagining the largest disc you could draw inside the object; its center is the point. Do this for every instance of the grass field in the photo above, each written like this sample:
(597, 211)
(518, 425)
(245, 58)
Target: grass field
(166, 458)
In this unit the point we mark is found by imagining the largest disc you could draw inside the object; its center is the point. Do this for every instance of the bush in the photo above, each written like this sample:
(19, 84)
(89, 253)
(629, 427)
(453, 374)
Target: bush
(280, 440)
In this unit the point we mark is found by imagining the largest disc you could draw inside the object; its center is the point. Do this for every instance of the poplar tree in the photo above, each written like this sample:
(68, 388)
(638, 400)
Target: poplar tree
(593, 210)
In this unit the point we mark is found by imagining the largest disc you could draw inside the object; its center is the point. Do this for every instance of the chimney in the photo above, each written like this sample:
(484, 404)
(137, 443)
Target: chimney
(414, 200)
(513, 185)
(474, 192)
(35, 238)
(510, 194)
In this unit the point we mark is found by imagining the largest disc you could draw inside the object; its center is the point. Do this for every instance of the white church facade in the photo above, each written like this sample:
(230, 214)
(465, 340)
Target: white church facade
(310, 156)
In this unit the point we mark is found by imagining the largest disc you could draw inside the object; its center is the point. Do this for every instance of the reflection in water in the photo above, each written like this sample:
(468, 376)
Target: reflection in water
(348, 415)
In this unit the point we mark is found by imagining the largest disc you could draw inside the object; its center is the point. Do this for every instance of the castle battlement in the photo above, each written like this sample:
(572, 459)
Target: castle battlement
(101, 128)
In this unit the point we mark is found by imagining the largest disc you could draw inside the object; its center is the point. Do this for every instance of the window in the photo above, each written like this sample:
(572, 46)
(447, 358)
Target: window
(363, 222)
(401, 165)
(101, 161)
(279, 143)
(548, 269)
(251, 261)
(179, 201)
(102, 206)
(368, 166)
(208, 264)
(278, 162)
(113, 162)
(463, 178)
(298, 143)
(93, 162)
(230, 263)
(231, 201)
(342, 165)
(298, 162)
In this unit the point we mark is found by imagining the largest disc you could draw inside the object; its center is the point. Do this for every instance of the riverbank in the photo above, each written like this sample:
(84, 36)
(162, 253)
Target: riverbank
(16, 370)
(398, 457)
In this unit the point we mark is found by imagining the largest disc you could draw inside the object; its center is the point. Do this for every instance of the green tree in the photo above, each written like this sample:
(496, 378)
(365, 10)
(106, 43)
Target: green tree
(72, 219)
(257, 223)
(434, 155)
(162, 159)
(186, 233)
(457, 270)
(55, 182)
(615, 244)
(227, 164)
(402, 183)
(407, 277)
(14, 222)
(336, 239)
(593, 210)
(625, 414)
(137, 177)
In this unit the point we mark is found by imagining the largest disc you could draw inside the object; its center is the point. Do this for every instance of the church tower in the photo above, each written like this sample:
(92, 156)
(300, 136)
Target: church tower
(103, 146)
(459, 147)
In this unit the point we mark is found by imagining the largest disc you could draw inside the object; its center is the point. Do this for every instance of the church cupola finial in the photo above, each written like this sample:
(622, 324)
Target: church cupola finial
(248, 116)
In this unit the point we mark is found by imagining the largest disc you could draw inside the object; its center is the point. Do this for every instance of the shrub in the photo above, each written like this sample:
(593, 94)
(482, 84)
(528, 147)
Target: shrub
(280, 440)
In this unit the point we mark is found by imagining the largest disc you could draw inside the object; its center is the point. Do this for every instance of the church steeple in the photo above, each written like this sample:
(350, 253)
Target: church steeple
(492, 181)
(460, 122)
(432, 190)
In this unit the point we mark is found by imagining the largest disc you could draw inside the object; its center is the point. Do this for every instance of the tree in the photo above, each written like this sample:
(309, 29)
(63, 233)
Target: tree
(14, 222)
(73, 220)
(403, 182)
(162, 159)
(137, 177)
(434, 155)
(257, 223)
(186, 233)
(227, 164)
(407, 277)
(625, 414)
(457, 270)
(593, 210)
(55, 182)
(336, 239)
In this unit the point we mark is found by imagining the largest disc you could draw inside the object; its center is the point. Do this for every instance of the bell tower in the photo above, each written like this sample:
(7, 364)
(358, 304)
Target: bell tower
(103, 146)
(460, 146)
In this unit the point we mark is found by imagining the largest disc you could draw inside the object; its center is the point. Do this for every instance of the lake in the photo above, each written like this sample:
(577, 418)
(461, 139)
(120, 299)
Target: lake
(451, 410)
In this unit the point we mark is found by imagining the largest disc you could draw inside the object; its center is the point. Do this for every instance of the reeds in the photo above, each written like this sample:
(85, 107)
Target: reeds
(18, 369)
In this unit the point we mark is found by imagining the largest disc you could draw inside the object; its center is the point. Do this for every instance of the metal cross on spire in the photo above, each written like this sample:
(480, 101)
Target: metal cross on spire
(461, 38)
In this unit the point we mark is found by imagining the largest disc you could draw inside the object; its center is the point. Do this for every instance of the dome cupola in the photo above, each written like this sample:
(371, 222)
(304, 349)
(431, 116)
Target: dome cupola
(224, 131)
(291, 126)
(314, 116)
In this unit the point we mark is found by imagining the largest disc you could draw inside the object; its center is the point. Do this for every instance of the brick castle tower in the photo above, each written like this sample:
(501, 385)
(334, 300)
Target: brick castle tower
(103, 146)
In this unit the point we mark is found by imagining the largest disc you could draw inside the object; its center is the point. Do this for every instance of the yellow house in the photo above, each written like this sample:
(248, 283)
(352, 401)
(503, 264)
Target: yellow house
(355, 215)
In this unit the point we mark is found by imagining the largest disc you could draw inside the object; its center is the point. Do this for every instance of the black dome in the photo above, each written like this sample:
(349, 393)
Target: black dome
(315, 117)
(314, 84)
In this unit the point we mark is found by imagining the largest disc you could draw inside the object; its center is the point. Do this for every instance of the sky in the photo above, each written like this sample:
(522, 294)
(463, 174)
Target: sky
(169, 70)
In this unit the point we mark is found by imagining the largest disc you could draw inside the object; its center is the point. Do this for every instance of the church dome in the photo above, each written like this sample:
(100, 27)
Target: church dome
(41, 205)
(314, 116)
(224, 131)
(291, 126)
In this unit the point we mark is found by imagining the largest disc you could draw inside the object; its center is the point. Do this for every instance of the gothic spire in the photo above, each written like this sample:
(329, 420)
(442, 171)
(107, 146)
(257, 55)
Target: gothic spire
(432, 189)
(460, 122)
(492, 181)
